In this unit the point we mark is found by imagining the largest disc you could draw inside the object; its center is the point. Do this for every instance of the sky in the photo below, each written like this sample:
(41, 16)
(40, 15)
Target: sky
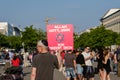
(83, 14)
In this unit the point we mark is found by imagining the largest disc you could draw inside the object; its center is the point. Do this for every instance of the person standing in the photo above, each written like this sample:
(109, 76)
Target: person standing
(70, 65)
(15, 61)
(7, 61)
(106, 64)
(44, 63)
(25, 61)
(10, 54)
(20, 56)
(80, 64)
(100, 63)
(116, 59)
(88, 71)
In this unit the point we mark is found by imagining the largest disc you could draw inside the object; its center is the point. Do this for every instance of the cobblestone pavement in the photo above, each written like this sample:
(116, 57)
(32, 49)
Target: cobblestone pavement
(27, 72)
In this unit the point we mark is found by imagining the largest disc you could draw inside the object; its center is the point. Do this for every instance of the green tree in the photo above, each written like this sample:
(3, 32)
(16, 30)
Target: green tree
(80, 41)
(3, 40)
(14, 42)
(118, 40)
(30, 36)
(97, 37)
(41, 34)
(76, 36)
(101, 37)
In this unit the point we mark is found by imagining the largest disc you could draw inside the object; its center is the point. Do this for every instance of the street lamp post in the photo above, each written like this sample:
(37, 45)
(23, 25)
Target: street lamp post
(23, 47)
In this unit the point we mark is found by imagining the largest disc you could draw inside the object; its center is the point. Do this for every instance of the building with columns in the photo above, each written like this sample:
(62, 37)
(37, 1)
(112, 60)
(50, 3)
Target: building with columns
(111, 20)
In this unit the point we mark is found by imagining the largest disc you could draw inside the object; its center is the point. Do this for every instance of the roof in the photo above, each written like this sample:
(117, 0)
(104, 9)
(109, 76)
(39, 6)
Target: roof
(3, 23)
(17, 28)
(110, 12)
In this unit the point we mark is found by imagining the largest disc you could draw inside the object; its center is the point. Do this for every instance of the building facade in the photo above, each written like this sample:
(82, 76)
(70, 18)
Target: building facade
(6, 29)
(111, 20)
(16, 31)
(9, 30)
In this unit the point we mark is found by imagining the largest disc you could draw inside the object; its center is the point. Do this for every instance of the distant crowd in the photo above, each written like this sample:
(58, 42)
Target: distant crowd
(72, 64)
(78, 64)
(75, 64)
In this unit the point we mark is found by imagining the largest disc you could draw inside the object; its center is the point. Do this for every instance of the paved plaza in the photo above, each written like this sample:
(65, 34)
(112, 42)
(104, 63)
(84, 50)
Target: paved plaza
(27, 72)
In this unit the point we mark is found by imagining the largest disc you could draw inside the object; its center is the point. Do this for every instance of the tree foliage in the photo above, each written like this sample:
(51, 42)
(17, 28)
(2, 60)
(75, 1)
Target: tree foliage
(14, 42)
(97, 37)
(3, 40)
(118, 40)
(30, 36)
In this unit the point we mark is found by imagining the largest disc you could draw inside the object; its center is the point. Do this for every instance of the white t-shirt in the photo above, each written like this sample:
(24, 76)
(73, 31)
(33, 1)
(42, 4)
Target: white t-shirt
(87, 62)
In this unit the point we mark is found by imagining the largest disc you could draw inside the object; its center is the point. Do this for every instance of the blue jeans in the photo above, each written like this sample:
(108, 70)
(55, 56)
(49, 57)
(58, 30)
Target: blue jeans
(79, 69)
(115, 67)
(70, 72)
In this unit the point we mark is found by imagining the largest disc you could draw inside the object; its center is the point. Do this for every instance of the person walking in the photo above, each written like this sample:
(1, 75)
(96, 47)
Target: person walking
(100, 63)
(88, 71)
(116, 59)
(70, 65)
(44, 63)
(106, 65)
(7, 61)
(80, 64)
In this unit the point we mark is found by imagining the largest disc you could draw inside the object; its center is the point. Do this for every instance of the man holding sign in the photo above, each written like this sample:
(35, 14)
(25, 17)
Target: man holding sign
(60, 37)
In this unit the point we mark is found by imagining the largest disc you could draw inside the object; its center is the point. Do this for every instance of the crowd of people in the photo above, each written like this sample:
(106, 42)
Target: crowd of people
(12, 59)
(13, 67)
(75, 64)
(70, 64)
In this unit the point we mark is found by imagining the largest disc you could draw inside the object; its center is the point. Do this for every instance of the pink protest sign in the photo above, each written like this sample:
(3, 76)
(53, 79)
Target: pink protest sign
(60, 36)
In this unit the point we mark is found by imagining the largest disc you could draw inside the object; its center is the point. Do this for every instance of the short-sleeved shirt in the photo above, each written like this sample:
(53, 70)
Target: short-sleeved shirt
(87, 62)
(15, 62)
(117, 54)
(80, 59)
(44, 64)
(69, 60)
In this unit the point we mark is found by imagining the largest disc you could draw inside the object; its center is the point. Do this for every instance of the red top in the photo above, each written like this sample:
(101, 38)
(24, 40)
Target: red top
(15, 62)
(63, 55)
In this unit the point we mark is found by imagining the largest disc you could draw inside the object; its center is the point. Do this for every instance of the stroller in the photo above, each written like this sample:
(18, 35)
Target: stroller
(12, 73)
